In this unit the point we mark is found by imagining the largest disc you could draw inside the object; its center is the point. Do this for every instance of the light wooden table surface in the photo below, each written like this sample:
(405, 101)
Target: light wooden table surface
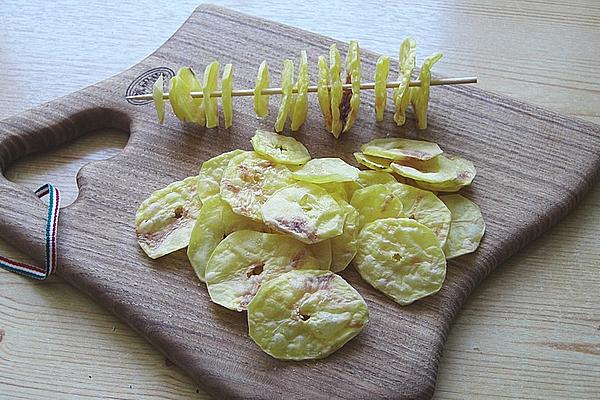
(532, 330)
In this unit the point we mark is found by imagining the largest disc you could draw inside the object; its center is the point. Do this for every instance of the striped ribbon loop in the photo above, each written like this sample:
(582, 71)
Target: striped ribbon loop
(33, 271)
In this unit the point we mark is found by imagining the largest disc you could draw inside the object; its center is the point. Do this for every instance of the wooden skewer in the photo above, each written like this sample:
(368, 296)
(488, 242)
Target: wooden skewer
(313, 89)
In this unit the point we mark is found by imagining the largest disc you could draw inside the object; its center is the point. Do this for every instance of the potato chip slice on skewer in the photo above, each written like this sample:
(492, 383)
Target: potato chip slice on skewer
(164, 221)
(246, 259)
(407, 61)
(382, 71)
(227, 100)
(466, 228)
(351, 103)
(263, 81)
(336, 92)
(402, 258)
(185, 107)
(323, 91)
(287, 86)
(300, 108)
(249, 180)
(305, 211)
(211, 74)
(302, 315)
(419, 97)
(158, 97)
(279, 148)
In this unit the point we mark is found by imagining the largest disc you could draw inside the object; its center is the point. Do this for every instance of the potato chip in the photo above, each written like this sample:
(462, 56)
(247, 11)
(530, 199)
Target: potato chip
(419, 96)
(211, 172)
(226, 89)
(185, 107)
(302, 315)
(368, 178)
(444, 173)
(407, 61)
(402, 258)
(279, 148)
(376, 202)
(305, 211)
(300, 108)
(424, 207)
(164, 221)
(249, 180)
(287, 86)
(336, 92)
(246, 259)
(158, 97)
(344, 246)
(323, 91)
(325, 170)
(322, 252)
(263, 81)
(382, 71)
(372, 162)
(350, 104)
(211, 74)
(401, 149)
(215, 221)
(337, 190)
(466, 228)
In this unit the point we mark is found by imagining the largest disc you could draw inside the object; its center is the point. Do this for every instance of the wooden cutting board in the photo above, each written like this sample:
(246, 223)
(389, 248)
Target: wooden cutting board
(533, 167)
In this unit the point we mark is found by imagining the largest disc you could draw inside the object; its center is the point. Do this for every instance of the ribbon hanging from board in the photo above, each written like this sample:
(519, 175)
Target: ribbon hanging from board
(33, 271)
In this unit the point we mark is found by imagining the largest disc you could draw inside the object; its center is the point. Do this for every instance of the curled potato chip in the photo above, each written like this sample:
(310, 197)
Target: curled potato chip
(424, 207)
(159, 101)
(287, 86)
(249, 180)
(263, 81)
(351, 104)
(185, 107)
(401, 149)
(419, 96)
(382, 70)
(300, 108)
(344, 246)
(226, 89)
(376, 202)
(372, 162)
(466, 228)
(322, 252)
(215, 222)
(402, 95)
(303, 315)
(305, 211)
(336, 92)
(211, 74)
(326, 170)
(323, 91)
(211, 172)
(279, 148)
(444, 173)
(164, 221)
(246, 259)
(402, 258)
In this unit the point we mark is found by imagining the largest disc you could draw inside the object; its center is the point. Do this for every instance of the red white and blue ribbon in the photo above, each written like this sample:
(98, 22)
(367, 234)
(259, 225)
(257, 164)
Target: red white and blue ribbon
(33, 271)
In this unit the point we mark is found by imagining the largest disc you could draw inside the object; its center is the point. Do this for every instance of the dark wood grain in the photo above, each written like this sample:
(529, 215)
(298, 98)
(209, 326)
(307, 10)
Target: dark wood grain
(534, 166)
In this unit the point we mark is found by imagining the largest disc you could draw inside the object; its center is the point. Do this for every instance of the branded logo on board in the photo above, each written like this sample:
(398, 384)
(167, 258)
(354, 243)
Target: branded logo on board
(143, 83)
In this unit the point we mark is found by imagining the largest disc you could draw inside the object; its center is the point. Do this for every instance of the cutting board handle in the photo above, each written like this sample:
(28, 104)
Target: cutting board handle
(23, 215)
